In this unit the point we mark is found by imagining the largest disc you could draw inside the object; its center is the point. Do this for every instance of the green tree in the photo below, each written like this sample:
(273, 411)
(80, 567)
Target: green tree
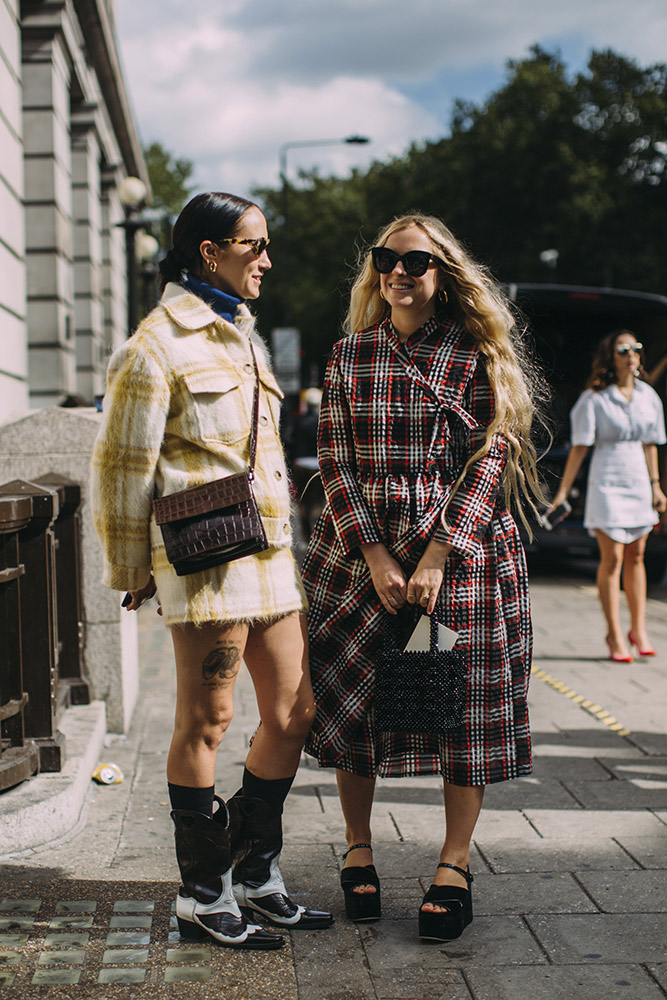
(169, 178)
(623, 113)
(313, 270)
(548, 160)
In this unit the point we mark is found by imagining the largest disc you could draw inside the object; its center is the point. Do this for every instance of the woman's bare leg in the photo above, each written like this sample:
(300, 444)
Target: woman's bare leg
(609, 589)
(207, 665)
(462, 809)
(634, 585)
(277, 659)
(356, 800)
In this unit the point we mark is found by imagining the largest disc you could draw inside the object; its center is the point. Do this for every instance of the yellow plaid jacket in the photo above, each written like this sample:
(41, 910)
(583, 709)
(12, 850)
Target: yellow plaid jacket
(177, 413)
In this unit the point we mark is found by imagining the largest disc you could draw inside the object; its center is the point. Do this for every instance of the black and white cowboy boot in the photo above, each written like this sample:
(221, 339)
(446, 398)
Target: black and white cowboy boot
(256, 838)
(206, 903)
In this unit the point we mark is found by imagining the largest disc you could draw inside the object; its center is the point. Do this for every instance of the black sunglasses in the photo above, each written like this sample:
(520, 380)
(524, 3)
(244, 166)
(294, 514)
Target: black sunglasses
(415, 262)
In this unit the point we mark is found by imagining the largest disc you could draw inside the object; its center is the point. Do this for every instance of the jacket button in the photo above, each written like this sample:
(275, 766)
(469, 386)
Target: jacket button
(278, 474)
(248, 367)
(286, 529)
(263, 420)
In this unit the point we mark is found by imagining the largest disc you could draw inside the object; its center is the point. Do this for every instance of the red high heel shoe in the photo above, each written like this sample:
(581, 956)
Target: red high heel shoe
(616, 657)
(642, 652)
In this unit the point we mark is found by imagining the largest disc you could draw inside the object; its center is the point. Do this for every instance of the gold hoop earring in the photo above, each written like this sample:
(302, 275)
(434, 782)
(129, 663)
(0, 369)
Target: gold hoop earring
(381, 295)
(442, 298)
(213, 266)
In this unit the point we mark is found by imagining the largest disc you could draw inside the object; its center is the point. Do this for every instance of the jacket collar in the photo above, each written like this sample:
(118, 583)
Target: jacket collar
(223, 303)
(192, 313)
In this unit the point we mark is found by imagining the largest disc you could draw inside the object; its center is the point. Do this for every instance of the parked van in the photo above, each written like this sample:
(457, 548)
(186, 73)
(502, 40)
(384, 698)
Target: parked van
(567, 322)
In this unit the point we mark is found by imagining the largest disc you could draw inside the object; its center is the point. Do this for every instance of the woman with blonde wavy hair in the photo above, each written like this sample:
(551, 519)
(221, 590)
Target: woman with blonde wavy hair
(424, 440)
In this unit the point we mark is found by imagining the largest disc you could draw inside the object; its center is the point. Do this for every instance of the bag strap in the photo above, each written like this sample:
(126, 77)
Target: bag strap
(434, 632)
(255, 416)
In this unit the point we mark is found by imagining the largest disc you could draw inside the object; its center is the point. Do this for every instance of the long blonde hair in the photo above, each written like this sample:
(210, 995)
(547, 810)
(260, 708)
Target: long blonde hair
(479, 305)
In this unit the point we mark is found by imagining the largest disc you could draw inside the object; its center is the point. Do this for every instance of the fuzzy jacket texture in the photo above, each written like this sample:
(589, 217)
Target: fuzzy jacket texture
(177, 414)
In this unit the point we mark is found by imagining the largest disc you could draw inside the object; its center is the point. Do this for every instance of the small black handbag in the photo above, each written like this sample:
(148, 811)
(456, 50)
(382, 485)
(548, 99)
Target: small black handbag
(419, 692)
(216, 522)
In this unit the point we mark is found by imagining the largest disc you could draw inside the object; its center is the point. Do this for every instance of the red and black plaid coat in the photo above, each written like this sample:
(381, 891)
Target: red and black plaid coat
(393, 439)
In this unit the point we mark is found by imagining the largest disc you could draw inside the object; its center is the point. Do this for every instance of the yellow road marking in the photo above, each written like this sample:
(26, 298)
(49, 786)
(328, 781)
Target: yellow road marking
(599, 713)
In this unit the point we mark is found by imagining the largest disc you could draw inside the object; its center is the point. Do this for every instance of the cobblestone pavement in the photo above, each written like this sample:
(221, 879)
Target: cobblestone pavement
(570, 864)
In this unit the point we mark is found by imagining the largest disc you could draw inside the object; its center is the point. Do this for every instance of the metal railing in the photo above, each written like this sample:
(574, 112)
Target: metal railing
(41, 630)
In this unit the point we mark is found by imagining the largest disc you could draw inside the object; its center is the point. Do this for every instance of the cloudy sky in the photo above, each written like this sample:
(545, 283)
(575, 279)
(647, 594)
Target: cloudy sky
(227, 82)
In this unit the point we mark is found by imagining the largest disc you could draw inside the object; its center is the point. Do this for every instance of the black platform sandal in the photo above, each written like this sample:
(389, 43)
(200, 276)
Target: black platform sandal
(360, 906)
(450, 923)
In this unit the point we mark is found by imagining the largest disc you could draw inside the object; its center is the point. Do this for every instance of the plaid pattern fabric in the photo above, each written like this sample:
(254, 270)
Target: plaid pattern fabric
(177, 414)
(393, 439)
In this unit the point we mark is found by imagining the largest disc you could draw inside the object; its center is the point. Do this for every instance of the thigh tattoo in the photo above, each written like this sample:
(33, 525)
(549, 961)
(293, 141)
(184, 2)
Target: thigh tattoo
(219, 667)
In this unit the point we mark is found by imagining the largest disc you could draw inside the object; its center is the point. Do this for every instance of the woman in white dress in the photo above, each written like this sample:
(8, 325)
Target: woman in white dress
(622, 419)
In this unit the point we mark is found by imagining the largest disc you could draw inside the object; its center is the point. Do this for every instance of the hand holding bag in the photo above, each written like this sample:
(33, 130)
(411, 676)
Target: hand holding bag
(216, 522)
(419, 692)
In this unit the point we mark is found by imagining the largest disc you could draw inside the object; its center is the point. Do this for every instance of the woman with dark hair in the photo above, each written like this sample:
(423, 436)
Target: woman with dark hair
(178, 414)
(622, 419)
(425, 439)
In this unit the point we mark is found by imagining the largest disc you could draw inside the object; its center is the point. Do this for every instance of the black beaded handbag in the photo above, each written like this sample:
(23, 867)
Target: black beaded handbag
(419, 692)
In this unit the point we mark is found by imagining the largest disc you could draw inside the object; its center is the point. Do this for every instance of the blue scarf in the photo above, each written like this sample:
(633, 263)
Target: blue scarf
(225, 305)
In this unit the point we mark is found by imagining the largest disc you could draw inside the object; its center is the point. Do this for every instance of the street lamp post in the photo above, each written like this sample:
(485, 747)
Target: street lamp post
(147, 248)
(350, 140)
(132, 194)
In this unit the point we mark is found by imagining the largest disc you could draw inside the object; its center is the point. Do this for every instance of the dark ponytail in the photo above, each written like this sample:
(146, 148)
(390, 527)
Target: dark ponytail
(211, 216)
(172, 266)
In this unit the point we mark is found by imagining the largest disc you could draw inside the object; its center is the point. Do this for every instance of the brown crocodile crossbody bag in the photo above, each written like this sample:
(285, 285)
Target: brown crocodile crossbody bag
(216, 522)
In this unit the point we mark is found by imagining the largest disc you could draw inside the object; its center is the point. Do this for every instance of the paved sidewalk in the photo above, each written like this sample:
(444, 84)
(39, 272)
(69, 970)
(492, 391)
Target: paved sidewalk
(570, 864)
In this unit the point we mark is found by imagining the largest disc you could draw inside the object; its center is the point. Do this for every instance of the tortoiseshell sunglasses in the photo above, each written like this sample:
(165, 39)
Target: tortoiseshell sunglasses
(258, 246)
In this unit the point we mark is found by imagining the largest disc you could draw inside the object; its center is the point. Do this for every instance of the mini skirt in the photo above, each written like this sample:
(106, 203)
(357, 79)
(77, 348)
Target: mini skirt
(625, 536)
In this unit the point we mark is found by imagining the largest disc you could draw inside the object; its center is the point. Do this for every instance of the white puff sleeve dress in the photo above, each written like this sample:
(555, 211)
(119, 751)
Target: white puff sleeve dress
(618, 497)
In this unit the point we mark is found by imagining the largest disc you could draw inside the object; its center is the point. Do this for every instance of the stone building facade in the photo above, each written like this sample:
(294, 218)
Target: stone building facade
(67, 142)
(68, 138)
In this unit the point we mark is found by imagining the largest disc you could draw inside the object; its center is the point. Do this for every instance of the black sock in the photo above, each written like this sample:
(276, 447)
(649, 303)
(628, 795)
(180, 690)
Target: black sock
(191, 799)
(274, 792)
